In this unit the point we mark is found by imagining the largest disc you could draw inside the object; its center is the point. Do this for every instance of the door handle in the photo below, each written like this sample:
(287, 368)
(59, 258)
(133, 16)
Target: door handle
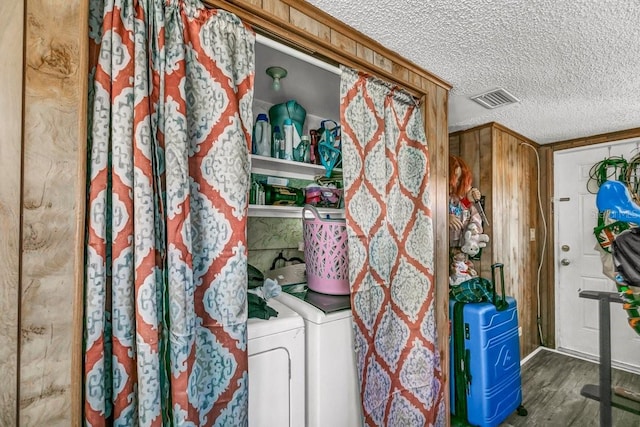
(565, 261)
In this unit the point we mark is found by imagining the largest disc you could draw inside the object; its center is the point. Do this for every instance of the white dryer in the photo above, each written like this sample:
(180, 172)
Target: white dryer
(333, 393)
(276, 348)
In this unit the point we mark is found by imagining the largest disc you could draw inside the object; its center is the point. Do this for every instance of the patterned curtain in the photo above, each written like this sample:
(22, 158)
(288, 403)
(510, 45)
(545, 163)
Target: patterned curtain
(386, 179)
(168, 179)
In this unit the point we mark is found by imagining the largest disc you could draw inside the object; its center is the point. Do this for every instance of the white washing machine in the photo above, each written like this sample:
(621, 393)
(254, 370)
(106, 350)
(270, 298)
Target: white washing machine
(276, 348)
(333, 393)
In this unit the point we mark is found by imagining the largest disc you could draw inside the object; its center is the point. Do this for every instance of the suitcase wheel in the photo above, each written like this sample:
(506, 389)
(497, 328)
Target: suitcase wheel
(522, 411)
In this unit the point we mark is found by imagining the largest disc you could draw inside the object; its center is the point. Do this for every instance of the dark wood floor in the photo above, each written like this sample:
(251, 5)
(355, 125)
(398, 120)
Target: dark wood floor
(551, 384)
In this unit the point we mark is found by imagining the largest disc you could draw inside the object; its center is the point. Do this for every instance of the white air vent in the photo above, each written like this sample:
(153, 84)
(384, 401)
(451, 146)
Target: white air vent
(495, 98)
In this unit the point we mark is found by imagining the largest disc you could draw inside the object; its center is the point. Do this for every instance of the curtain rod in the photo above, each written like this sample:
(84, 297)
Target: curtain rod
(296, 54)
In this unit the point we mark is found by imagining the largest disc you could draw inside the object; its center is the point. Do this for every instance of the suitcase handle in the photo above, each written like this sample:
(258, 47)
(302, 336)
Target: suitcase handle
(502, 304)
(467, 370)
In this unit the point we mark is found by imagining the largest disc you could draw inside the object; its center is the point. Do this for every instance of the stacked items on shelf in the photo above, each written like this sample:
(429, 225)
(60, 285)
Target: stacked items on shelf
(277, 191)
(280, 136)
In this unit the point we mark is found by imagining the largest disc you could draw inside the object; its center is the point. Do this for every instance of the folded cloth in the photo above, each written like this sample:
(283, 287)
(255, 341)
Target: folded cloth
(258, 307)
(269, 289)
(477, 289)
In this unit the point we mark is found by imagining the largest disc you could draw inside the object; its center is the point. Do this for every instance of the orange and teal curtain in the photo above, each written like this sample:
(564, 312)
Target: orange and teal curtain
(390, 233)
(170, 98)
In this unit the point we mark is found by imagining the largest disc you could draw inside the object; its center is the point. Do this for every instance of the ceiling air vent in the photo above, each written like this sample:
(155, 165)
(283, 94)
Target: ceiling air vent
(495, 98)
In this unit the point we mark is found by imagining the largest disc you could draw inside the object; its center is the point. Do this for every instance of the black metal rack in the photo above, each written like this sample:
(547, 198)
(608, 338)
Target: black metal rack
(608, 397)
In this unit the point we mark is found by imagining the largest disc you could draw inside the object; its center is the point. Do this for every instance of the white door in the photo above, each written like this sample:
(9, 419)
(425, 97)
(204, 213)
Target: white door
(578, 264)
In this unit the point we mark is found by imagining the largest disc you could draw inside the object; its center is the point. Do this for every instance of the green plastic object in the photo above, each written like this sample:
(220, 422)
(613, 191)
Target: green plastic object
(283, 196)
(290, 109)
(330, 146)
(631, 304)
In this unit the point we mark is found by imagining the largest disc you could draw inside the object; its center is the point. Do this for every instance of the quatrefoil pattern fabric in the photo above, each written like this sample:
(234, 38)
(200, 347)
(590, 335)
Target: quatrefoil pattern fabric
(390, 235)
(168, 179)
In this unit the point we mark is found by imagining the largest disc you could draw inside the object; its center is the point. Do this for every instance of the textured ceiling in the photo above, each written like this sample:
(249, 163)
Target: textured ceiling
(573, 64)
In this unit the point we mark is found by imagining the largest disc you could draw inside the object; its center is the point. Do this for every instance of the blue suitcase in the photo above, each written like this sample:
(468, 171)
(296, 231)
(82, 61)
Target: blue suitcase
(485, 381)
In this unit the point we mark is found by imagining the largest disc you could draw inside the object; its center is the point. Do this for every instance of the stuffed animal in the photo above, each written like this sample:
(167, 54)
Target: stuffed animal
(472, 240)
(461, 269)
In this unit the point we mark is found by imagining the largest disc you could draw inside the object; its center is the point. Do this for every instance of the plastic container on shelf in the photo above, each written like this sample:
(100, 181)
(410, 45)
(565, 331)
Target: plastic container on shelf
(262, 136)
(288, 139)
(288, 110)
(301, 152)
(278, 143)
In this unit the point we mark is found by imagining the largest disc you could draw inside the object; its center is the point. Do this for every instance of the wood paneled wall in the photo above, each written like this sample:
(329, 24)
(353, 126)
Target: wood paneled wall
(307, 28)
(42, 155)
(489, 149)
(594, 139)
(505, 170)
(11, 33)
(476, 147)
(54, 152)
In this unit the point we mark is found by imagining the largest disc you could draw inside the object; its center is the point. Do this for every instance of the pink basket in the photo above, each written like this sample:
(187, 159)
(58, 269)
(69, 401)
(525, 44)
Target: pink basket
(325, 253)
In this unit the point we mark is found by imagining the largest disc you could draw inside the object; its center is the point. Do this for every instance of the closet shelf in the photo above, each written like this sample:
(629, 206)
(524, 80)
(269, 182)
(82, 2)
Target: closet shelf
(290, 211)
(286, 168)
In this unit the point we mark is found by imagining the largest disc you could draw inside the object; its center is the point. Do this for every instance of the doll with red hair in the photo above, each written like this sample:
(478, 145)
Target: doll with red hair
(465, 221)
(462, 195)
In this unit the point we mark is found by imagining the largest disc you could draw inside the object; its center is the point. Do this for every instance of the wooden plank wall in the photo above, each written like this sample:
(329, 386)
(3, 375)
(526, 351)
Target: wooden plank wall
(11, 33)
(54, 141)
(475, 147)
(594, 139)
(478, 142)
(311, 30)
(506, 173)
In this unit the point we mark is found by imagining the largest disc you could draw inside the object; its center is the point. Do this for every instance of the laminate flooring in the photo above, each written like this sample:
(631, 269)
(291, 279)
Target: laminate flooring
(551, 384)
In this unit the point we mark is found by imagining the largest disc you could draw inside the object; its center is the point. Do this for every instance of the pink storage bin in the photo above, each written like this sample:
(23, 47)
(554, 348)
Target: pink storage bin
(325, 253)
